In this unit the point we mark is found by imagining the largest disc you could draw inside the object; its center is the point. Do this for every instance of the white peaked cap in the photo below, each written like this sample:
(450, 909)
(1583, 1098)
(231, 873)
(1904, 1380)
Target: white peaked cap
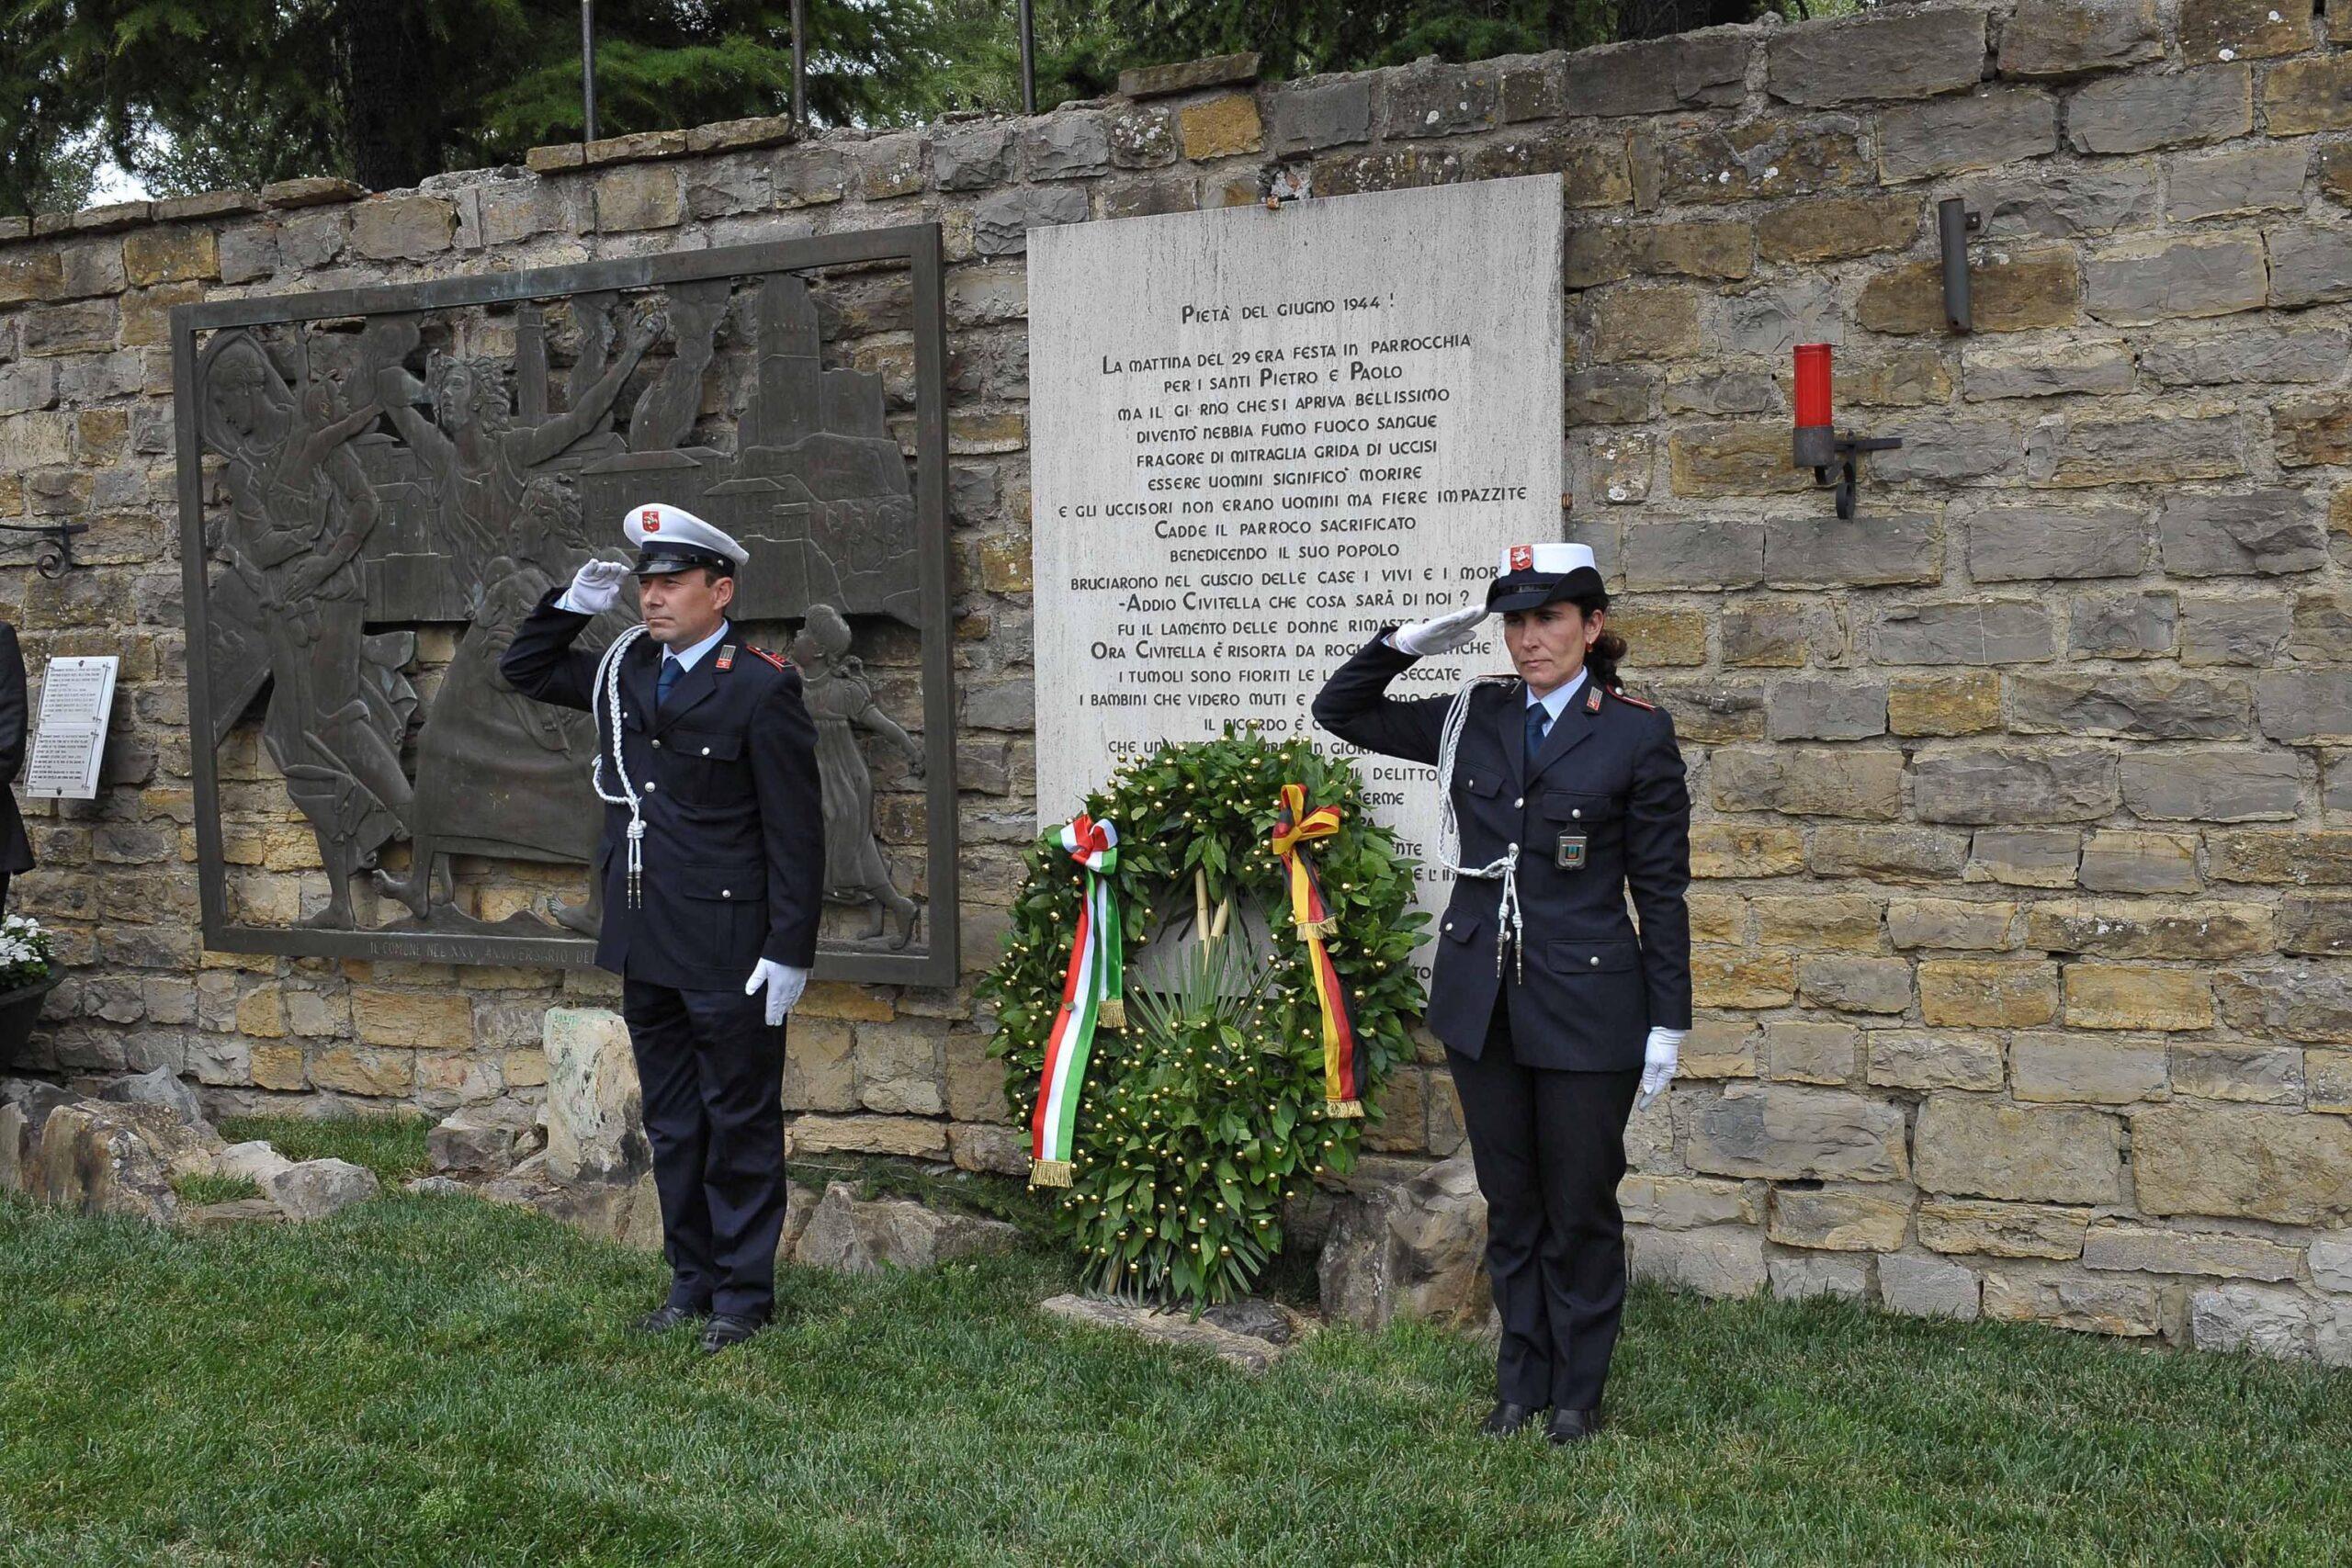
(660, 530)
(1551, 559)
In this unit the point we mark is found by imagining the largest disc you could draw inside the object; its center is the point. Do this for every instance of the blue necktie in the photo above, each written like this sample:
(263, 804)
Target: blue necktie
(671, 670)
(1539, 720)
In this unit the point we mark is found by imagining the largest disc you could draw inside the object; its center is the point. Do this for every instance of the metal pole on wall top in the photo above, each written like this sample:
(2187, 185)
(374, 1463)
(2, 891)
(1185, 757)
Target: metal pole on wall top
(1028, 59)
(800, 61)
(587, 70)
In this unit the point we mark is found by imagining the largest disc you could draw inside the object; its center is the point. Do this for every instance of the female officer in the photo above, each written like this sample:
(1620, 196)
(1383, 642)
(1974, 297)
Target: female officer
(1554, 1010)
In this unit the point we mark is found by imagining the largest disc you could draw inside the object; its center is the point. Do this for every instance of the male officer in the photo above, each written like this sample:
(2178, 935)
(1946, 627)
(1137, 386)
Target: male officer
(715, 794)
(1554, 1011)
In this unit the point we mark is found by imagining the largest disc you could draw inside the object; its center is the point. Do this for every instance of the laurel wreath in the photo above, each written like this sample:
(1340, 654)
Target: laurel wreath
(1201, 1116)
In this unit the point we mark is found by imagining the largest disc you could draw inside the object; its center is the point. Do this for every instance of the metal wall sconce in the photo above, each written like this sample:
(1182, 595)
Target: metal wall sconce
(55, 556)
(1817, 446)
(1954, 223)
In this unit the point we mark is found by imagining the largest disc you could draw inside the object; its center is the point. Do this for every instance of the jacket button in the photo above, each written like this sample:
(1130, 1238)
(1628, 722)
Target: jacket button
(1576, 811)
(651, 787)
(729, 893)
(1520, 802)
(657, 745)
(1449, 925)
(1514, 849)
(1596, 961)
(706, 751)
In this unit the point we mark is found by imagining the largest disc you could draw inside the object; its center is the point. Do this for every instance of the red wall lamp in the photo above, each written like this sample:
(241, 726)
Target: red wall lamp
(1818, 446)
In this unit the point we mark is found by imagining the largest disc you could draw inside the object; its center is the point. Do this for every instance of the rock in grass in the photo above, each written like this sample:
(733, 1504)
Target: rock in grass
(1245, 1351)
(36, 1099)
(161, 1087)
(317, 1188)
(1260, 1319)
(256, 1161)
(858, 1236)
(596, 1119)
(435, 1186)
(100, 1158)
(15, 1143)
(625, 1212)
(1411, 1249)
(800, 1204)
(470, 1144)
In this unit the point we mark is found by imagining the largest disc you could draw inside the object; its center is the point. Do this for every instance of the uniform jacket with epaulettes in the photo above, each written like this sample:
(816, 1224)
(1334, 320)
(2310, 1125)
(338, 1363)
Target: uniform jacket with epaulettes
(725, 773)
(1590, 987)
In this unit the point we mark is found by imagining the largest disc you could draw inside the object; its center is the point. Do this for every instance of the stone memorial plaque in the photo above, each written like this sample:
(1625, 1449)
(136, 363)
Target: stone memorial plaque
(1260, 437)
(70, 737)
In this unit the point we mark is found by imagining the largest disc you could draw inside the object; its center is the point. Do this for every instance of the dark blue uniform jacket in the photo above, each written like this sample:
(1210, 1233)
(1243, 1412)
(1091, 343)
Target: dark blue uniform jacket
(1590, 987)
(734, 847)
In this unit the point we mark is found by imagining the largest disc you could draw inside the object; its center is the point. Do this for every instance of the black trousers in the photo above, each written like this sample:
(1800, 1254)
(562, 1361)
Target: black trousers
(1549, 1149)
(712, 1073)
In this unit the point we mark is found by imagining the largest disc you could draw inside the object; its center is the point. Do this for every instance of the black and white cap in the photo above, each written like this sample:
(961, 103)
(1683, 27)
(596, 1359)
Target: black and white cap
(670, 538)
(1530, 575)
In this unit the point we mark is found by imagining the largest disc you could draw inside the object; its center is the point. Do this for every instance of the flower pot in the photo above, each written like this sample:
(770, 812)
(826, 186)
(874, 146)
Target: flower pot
(20, 1011)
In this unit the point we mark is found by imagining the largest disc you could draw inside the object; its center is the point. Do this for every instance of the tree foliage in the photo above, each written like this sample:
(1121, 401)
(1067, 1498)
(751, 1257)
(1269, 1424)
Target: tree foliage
(192, 93)
(196, 95)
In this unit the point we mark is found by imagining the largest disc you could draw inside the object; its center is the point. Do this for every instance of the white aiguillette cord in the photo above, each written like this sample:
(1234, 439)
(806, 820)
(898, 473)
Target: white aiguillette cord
(1509, 928)
(608, 683)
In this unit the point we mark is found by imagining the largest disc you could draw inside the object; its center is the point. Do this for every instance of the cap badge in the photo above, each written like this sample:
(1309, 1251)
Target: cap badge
(1523, 558)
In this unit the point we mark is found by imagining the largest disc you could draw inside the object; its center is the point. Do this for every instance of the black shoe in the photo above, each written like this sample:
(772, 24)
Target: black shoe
(668, 1316)
(1572, 1427)
(727, 1330)
(1506, 1418)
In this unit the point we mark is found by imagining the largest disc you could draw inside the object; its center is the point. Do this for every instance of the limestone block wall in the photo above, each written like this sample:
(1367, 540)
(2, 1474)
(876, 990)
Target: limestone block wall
(2024, 800)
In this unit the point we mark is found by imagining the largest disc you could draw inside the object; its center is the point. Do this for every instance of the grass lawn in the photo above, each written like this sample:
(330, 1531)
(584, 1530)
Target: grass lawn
(438, 1381)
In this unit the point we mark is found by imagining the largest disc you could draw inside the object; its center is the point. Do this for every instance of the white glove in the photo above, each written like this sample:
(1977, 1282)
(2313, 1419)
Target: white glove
(784, 985)
(595, 587)
(1661, 1053)
(1442, 635)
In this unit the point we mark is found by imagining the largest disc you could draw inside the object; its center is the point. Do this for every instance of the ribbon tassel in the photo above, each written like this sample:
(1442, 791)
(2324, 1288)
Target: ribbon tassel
(1294, 827)
(1091, 999)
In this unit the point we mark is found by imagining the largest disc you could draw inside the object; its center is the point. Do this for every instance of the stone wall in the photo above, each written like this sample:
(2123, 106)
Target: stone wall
(2024, 801)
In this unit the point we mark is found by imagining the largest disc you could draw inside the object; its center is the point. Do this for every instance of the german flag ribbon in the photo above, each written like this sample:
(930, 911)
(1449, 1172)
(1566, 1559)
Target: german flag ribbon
(1091, 999)
(1294, 827)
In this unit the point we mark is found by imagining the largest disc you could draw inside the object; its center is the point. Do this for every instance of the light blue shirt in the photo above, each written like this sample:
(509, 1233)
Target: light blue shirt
(688, 657)
(1557, 703)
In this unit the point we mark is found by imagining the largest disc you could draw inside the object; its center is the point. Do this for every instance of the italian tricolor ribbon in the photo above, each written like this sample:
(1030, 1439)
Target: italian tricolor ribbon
(1294, 825)
(1090, 999)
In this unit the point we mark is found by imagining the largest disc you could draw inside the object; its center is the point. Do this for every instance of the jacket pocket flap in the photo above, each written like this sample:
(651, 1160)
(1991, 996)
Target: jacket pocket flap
(1461, 928)
(1568, 958)
(730, 883)
(720, 746)
(1483, 781)
(1572, 807)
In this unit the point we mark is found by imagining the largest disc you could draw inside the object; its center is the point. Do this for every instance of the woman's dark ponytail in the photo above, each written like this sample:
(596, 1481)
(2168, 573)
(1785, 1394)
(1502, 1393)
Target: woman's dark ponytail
(1607, 649)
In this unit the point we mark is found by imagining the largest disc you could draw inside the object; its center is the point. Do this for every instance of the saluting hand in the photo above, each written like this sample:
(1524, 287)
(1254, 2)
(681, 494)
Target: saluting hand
(1443, 635)
(595, 587)
(784, 985)
(1661, 1053)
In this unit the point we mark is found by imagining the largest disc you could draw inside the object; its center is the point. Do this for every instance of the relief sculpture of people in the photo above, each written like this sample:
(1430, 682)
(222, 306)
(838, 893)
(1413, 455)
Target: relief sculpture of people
(379, 479)
(834, 686)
